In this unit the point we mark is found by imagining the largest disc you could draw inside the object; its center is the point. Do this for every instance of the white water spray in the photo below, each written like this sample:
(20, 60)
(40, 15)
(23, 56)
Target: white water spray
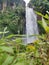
(27, 1)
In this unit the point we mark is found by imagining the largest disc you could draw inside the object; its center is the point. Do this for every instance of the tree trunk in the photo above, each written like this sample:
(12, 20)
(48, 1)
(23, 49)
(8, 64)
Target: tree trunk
(4, 5)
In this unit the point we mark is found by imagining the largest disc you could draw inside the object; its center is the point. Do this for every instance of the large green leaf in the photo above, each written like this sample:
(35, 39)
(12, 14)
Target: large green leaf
(8, 60)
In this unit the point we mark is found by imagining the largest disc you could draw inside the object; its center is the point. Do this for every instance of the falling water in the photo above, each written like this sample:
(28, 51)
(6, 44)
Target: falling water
(31, 24)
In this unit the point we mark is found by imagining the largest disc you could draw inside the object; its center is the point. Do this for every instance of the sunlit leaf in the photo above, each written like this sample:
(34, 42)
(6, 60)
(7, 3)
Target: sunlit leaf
(45, 26)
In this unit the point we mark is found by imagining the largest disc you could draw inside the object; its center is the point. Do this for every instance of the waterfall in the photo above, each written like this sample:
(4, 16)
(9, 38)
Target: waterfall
(31, 24)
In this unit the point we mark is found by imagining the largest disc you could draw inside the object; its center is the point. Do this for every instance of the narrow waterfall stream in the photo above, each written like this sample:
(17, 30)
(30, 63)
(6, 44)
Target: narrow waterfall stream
(31, 25)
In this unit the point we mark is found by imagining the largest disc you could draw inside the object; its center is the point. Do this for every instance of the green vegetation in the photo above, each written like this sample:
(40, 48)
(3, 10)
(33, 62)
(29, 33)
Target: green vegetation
(12, 49)
(14, 52)
(14, 20)
(41, 5)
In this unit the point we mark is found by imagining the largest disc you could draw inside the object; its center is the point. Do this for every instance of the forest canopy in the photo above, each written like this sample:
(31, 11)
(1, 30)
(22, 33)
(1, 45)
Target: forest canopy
(12, 13)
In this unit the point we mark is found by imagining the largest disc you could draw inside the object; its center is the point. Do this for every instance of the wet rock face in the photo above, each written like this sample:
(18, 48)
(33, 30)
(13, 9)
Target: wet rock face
(30, 5)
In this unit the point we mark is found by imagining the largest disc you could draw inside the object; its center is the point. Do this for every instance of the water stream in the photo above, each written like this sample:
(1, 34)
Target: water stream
(31, 24)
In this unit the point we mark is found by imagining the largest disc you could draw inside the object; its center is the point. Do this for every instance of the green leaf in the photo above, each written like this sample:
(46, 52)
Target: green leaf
(44, 23)
(47, 12)
(45, 26)
(4, 32)
(10, 36)
(6, 49)
(40, 14)
(3, 56)
(5, 29)
(20, 63)
(36, 54)
(18, 40)
(8, 60)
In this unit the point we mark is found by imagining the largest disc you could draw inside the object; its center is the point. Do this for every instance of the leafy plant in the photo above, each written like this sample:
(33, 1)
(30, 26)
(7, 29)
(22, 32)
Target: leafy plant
(45, 26)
